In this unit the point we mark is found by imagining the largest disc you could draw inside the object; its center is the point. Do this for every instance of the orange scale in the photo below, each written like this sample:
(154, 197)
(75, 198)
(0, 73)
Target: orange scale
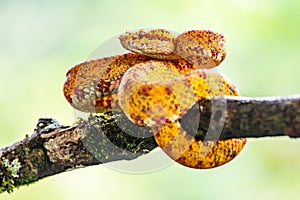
(93, 74)
(187, 151)
(159, 97)
(196, 47)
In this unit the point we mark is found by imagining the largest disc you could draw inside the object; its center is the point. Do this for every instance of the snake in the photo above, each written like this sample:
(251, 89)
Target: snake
(155, 84)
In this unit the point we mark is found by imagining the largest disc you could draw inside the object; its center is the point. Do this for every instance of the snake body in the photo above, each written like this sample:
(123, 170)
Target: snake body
(92, 86)
(156, 85)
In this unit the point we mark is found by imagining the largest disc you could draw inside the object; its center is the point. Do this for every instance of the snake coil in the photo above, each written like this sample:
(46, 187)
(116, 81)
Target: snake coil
(155, 85)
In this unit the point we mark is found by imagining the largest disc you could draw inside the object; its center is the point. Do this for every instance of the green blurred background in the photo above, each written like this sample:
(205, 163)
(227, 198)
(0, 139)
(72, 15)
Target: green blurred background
(41, 40)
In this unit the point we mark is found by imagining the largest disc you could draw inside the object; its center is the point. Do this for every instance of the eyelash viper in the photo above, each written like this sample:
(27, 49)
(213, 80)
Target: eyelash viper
(155, 86)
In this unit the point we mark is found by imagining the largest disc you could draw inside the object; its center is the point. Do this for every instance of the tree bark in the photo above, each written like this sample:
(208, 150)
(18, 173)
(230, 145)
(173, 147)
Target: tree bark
(107, 137)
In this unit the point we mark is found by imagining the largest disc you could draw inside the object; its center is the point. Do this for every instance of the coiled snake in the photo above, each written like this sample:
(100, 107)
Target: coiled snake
(155, 85)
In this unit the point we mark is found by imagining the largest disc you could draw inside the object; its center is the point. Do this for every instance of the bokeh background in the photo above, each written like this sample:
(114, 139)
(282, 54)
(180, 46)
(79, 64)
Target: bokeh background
(41, 40)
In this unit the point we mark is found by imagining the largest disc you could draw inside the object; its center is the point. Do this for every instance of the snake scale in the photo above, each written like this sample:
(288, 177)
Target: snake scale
(155, 84)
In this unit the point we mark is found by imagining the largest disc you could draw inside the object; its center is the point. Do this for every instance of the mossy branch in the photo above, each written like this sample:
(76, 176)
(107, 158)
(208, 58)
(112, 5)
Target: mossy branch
(107, 137)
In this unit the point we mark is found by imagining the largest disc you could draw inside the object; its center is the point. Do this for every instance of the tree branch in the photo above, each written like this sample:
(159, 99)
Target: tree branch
(240, 117)
(107, 137)
(53, 148)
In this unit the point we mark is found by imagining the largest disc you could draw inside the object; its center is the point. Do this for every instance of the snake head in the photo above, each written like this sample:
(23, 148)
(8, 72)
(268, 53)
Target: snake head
(156, 43)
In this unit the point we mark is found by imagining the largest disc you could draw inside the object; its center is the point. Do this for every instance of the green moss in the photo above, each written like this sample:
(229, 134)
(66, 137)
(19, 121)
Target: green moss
(9, 175)
(111, 136)
(8, 184)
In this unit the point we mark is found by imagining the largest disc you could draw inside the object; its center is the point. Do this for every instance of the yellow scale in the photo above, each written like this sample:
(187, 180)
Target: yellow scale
(156, 85)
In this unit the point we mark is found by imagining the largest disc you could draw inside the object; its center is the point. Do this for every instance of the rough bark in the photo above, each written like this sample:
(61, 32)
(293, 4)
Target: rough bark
(107, 137)
(239, 117)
